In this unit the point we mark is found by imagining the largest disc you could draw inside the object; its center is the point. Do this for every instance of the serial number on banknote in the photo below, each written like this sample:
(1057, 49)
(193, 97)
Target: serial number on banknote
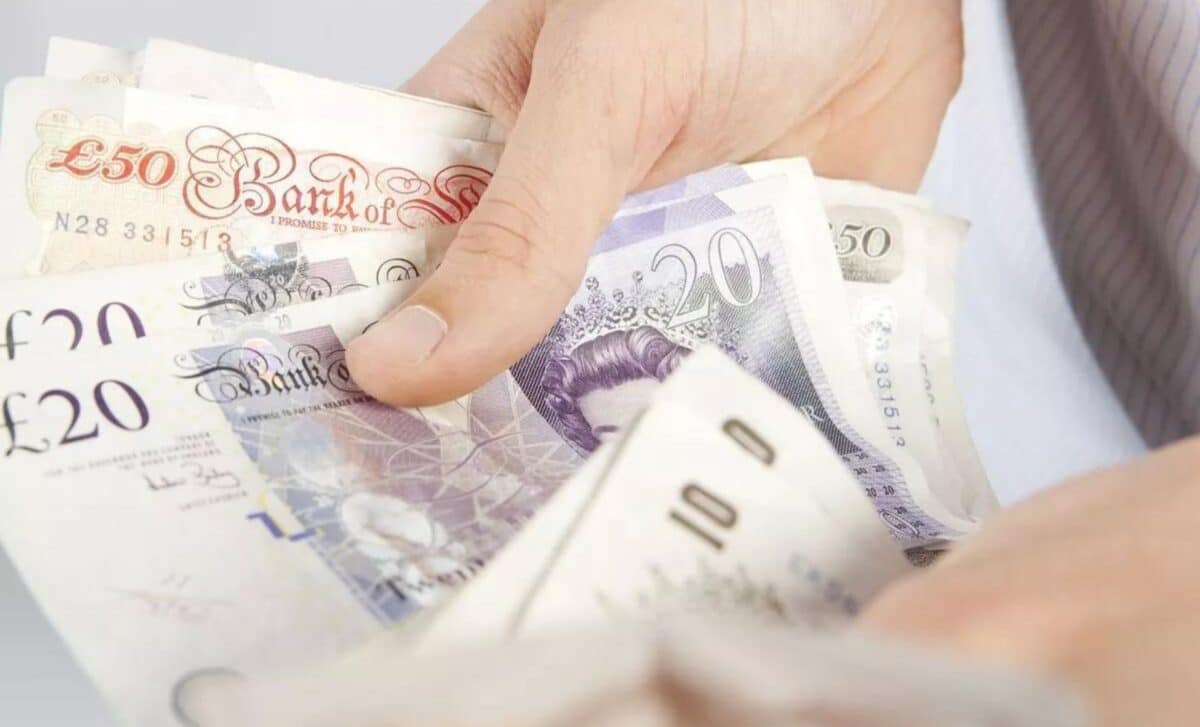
(188, 239)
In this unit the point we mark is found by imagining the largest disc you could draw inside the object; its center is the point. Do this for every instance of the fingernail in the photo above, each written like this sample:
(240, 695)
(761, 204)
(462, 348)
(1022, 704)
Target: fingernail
(406, 337)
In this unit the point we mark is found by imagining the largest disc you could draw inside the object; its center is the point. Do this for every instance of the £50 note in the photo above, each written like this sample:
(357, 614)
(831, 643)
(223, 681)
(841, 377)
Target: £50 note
(106, 176)
(68, 59)
(895, 267)
(178, 68)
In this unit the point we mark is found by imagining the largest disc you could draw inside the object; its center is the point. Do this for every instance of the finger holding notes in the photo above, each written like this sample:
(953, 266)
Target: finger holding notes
(518, 258)
(579, 142)
(602, 102)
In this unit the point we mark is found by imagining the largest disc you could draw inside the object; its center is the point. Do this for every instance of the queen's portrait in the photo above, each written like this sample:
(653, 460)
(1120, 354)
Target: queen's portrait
(598, 387)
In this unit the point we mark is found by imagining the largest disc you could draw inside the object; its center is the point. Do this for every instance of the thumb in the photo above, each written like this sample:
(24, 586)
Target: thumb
(519, 257)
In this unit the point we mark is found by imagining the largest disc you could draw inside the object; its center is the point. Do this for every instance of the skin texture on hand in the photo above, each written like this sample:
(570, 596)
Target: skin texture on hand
(1096, 581)
(603, 97)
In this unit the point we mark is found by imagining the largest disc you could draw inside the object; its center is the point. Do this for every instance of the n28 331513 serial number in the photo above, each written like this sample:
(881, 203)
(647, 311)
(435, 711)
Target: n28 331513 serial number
(181, 237)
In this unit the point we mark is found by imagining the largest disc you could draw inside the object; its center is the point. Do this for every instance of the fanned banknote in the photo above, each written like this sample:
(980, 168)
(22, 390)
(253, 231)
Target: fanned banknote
(233, 502)
(885, 263)
(104, 176)
(747, 409)
(835, 402)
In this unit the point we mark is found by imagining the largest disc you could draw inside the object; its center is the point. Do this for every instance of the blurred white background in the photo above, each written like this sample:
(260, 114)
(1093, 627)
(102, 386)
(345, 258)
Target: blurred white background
(1038, 407)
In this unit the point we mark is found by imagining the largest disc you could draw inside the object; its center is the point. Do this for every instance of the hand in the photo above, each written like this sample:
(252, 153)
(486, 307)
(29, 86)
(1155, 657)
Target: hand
(1096, 581)
(605, 96)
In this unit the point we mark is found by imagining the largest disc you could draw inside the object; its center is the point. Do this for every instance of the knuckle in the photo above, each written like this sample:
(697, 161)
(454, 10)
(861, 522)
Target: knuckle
(509, 223)
(492, 245)
(501, 85)
(492, 260)
(495, 83)
(510, 242)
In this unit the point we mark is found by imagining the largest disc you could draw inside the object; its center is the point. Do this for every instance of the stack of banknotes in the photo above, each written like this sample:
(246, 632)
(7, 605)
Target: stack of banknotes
(747, 410)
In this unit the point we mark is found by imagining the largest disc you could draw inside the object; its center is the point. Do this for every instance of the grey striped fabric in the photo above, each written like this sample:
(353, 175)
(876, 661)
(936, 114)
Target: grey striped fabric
(1112, 95)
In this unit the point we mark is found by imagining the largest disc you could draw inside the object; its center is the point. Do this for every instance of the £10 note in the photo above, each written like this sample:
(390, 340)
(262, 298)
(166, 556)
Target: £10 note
(723, 418)
(691, 518)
